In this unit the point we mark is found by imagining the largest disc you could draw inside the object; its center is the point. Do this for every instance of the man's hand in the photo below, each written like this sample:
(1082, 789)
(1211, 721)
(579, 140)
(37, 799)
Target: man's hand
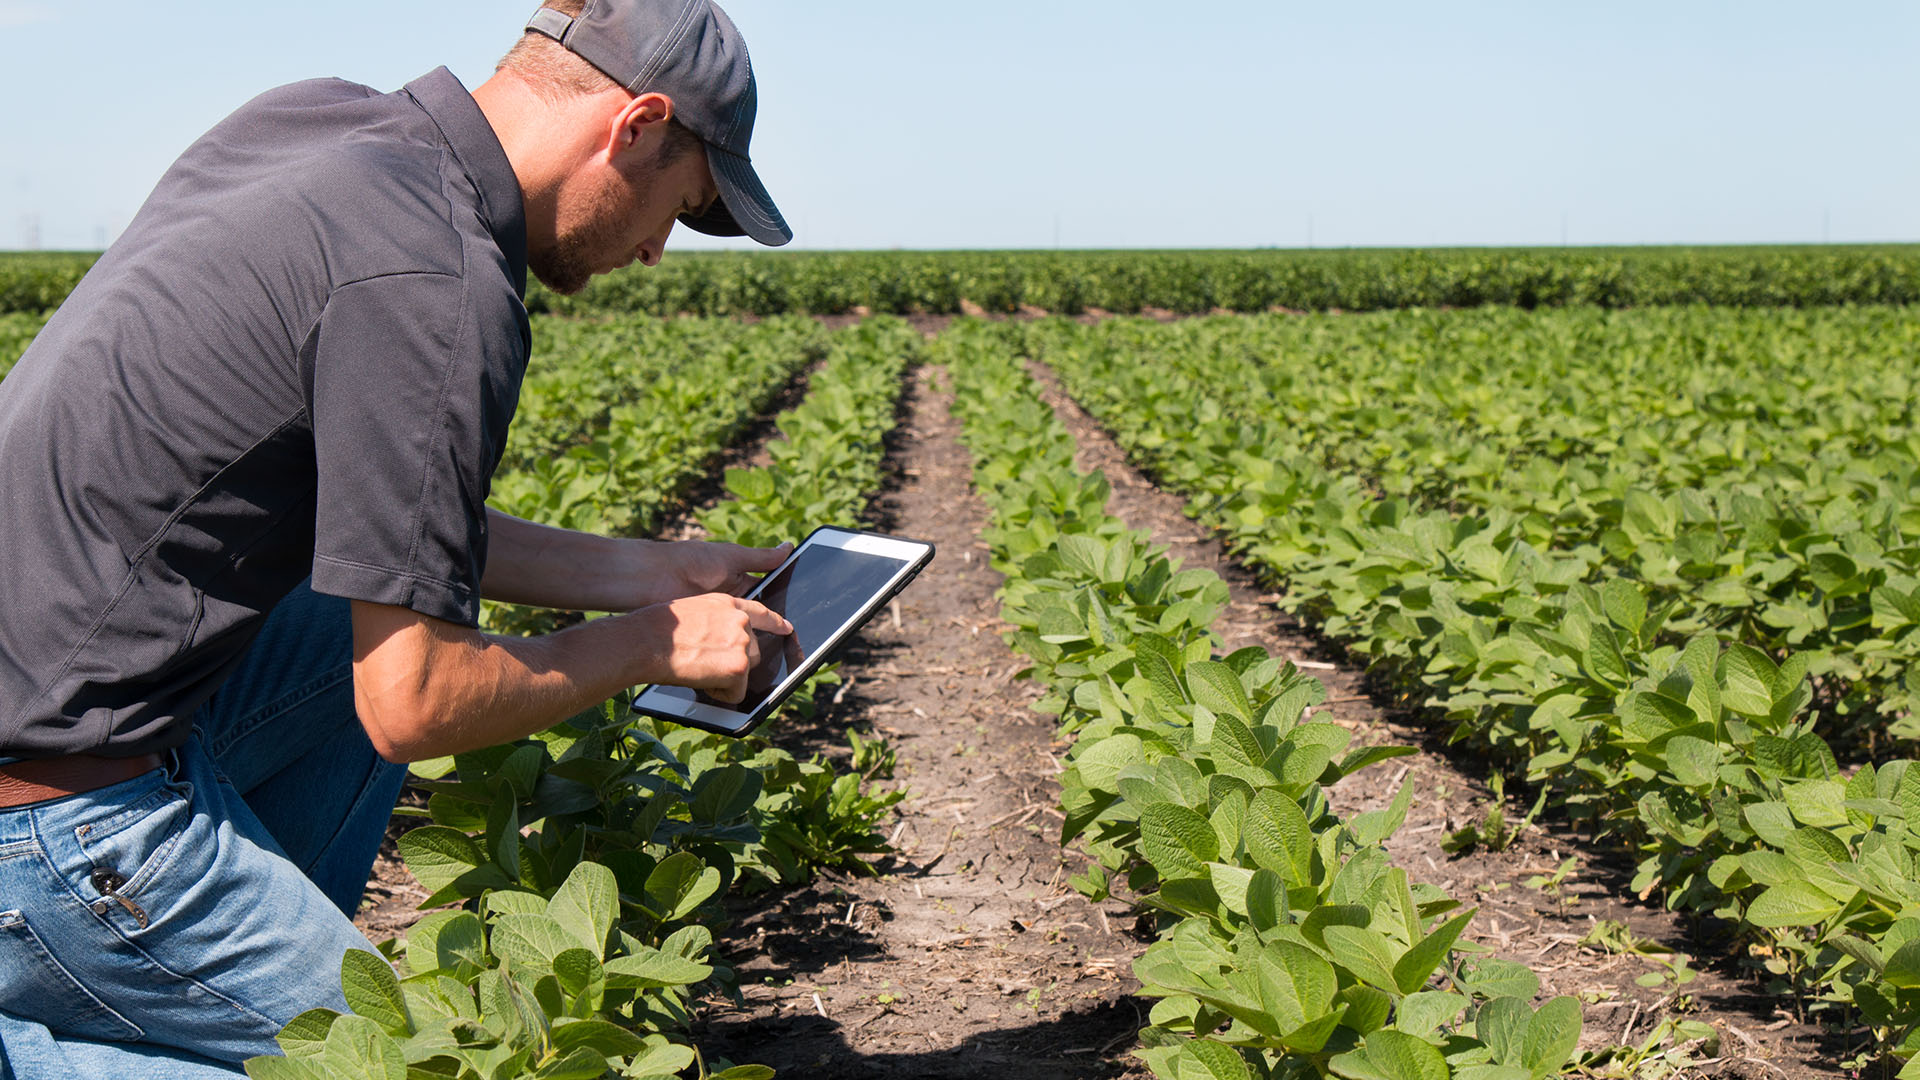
(714, 647)
(714, 567)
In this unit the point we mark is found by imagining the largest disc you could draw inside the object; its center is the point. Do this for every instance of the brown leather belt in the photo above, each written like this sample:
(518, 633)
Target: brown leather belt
(25, 782)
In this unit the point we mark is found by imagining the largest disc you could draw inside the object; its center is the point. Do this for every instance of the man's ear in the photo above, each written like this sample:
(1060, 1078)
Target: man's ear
(638, 125)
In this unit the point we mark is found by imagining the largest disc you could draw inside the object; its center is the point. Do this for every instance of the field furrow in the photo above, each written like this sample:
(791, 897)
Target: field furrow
(968, 954)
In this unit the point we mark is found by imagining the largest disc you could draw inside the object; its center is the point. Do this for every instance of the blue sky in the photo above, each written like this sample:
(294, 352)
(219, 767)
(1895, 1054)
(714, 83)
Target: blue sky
(1109, 124)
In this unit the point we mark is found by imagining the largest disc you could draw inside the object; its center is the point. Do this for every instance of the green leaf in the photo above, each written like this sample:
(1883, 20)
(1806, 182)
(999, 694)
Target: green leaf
(1820, 803)
(580, 1063)
(531, 941)
(1502, 1027)
(1177, 841)
(1903, 967)
(1551, 1036)
(688, 942)
(577, 971)
(724, 793)
(1865, 952)
(357, 1049)
(609, 1039)
(514, 902)
(520, 771)
(437, 855)
(373, 991)
(665, 1059)
(1746, 680)
(1365, 953)
(1099, 764)
(653, 968)
(305, 1035)
(1770, 821)
(1119, 558)
(1159, 672)
(1205, 1059)
(587, 906)
(503, 834)
(446, 941)
(1367, 1009)
(1296, 984)
(1375, 826)
(1216, 686)
(680, 884)
(750, 485)
(1392, 1055)
(1604, 660)
(1266, 900)
(1413, 969)
(284, 1068)
(1278, 838)
(1625, 604)
(1497, 978)
(1425, 1012)
(1791, 904)
(1694, 762)
(1231, 883)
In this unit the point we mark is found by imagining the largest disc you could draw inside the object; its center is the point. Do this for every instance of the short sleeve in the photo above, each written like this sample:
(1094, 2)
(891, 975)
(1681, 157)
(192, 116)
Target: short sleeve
(411, 391)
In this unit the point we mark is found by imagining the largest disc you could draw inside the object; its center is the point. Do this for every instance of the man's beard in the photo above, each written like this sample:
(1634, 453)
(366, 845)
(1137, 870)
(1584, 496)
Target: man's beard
(578, 250)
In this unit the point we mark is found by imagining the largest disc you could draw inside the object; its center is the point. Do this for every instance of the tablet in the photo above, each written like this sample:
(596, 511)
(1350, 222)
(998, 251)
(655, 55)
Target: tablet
(831, 585)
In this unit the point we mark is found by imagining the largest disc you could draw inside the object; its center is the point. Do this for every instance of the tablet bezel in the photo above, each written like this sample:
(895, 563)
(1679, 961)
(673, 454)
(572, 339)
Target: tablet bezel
(668, 703)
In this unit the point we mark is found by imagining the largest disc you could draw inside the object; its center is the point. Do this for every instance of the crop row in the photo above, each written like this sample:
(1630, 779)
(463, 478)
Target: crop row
(584, 369)
(589, 860)
(1579, 670)
(1288, 946)
(16, 333)
(40, 281)
(770, 283)
(1755, 471)
(613, 441)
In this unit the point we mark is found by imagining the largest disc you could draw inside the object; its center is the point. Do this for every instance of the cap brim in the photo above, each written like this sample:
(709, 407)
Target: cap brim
(744, 208)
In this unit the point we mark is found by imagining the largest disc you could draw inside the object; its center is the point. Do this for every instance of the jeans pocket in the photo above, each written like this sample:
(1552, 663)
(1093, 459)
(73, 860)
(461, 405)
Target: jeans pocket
(131, 850)
(36, 987)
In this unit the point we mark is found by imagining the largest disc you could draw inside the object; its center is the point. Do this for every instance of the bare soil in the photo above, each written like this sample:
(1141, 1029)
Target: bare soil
(967, 955)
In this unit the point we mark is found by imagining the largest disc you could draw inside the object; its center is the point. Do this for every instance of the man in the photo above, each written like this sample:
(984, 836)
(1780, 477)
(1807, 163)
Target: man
(243, 475)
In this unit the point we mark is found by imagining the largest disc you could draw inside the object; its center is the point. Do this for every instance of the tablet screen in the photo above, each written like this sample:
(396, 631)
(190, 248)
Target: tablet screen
(818, 592)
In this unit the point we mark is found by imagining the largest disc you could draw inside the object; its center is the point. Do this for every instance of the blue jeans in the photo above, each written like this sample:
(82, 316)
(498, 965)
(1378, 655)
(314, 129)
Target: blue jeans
(242, 860)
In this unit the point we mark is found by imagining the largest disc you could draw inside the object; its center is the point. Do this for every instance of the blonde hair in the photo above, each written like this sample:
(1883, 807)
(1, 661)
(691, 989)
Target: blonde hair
(557, 74)
(550, 68)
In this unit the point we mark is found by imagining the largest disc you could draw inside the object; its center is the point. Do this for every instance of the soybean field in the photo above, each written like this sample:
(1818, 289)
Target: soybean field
(1379, 665)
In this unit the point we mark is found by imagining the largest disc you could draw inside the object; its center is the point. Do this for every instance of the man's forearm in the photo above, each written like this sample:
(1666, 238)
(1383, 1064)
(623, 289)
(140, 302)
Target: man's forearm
(559, 568)
(425, 688)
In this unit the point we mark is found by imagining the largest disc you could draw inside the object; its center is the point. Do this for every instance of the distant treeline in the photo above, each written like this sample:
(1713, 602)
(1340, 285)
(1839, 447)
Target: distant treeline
(906, 282)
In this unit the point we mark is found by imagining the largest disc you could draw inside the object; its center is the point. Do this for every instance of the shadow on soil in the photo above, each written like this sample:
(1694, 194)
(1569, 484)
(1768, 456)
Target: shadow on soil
(1084, 1043)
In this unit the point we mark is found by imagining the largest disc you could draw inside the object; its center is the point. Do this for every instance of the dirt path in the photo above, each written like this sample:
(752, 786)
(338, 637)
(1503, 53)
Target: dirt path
(1537, 927)
(969, 957)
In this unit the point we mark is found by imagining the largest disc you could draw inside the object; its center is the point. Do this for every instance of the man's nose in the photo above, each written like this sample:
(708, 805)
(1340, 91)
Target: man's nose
(655, 246)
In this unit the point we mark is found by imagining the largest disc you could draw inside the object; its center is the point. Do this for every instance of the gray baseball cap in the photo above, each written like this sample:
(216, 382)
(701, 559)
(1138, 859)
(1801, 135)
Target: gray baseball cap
(689, 51)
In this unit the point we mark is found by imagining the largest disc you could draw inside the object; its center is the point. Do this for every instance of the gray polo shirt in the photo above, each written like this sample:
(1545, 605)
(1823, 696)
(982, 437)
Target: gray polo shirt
(300, 359)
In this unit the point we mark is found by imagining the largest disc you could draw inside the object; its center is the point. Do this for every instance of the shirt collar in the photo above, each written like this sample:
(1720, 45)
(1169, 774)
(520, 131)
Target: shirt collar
(474, 144)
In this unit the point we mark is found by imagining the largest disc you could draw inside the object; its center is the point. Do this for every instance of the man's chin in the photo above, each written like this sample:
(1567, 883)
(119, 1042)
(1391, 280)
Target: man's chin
(567, 284)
